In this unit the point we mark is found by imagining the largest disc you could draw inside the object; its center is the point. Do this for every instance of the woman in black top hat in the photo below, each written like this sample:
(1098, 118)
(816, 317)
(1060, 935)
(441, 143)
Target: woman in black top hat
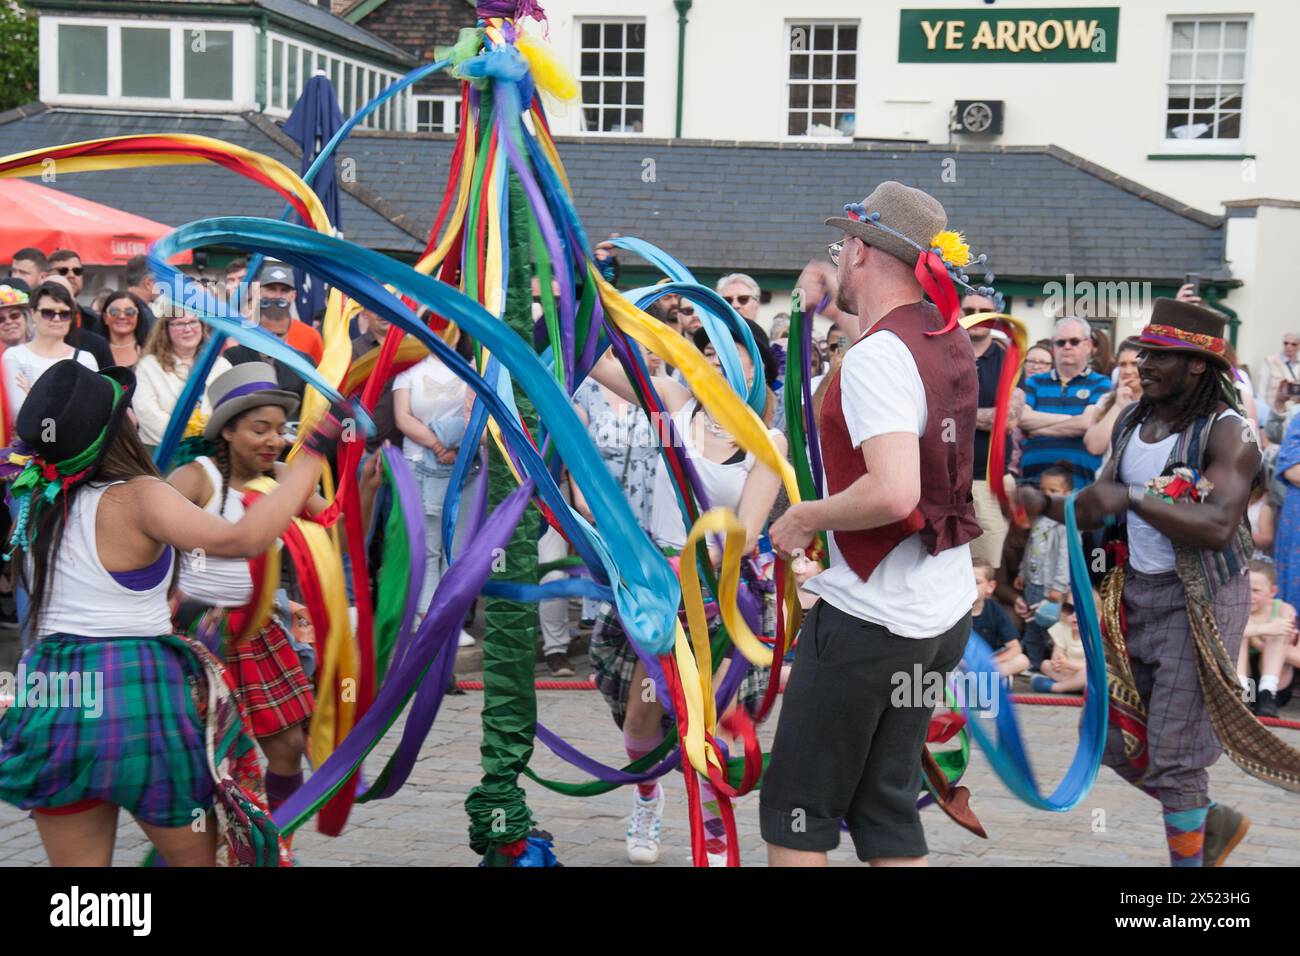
(99, 528)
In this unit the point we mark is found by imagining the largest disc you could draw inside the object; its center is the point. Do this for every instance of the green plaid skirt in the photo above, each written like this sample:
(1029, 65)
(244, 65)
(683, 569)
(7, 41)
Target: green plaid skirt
(613, 662)
(135, 736)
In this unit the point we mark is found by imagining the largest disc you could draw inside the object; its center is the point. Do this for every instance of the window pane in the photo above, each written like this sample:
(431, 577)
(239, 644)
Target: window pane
(849, 38)
(822, 119)
(591, 94)
(823, 38)
(846, 97)
(798, 124)
(83, 60)
(613, 93)
(613, 35)
(636, 36)
(635, 64)
(1208, 35)
(1176, 126)
(846, 66)
(277, 73)
(1180, 97)
(1234, 36)
(822, 66)
(1234, 66)
(636, 94)
(209, 64)
(592, 117)
(146, 62)
(1207, 65)
(1230, 97)
(799, 97)
(800, 37)
(613, 64)
(845, 123)
(1229, 126)
(590, 35)
(635, 121)
(822, 96)
(591, 64)
(334, 74)
(1180, 66)
(293, 53)
(799, 64)
(1183, 35)
(349, 106)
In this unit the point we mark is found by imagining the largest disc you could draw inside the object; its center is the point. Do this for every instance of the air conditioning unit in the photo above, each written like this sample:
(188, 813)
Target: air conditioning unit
(978, 117)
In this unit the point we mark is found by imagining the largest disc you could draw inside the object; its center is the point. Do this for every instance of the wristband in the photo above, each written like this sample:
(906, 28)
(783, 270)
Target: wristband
(1136, 494)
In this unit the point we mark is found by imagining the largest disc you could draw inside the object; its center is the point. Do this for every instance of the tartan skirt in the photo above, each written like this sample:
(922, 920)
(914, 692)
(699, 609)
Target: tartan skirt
(270, 683)
(140, 743)
(613, 662)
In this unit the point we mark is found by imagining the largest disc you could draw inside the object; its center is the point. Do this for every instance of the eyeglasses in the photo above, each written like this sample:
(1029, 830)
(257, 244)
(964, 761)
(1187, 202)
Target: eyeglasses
(129, 312)
(735, 300)
(275, 303)
(13, 315)
(835, 248)
(1037, 363)
(1062, 343)
(65, 270)
(183, 325)
(55, 315)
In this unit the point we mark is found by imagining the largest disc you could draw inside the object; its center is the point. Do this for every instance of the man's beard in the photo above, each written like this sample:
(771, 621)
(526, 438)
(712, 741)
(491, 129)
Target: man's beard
(843, 304)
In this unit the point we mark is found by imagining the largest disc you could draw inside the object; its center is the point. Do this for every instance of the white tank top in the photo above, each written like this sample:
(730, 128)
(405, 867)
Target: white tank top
(722, 484)
(1149, 551)
(86, 599)
(217, 582)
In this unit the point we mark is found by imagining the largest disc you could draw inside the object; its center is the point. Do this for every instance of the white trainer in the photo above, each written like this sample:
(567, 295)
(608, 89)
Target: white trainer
(643, 827)
(466, 640)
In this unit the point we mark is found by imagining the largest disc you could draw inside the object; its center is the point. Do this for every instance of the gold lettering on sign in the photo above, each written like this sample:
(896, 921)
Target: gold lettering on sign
(1075, 36)
(1029, 36)
(984, 37)
(931, 35)
(954, 35)
(1007, 36)
(1054, 25)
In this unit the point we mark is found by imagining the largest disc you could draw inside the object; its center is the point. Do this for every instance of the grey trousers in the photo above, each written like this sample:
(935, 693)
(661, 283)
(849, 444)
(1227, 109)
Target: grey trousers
(1181, 743)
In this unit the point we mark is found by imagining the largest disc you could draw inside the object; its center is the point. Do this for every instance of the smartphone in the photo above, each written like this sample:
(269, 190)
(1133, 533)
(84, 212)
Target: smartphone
(1293, 389)
(1194, 280)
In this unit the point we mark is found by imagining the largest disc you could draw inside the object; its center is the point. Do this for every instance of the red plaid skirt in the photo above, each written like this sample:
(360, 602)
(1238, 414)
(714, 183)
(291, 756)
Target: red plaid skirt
(270, 683)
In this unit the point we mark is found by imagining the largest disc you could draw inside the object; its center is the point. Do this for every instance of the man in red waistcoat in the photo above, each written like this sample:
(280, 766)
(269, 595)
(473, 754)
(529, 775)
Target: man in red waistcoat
(894, 610)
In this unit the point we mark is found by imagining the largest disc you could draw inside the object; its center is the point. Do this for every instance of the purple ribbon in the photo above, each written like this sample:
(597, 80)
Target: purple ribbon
(514, 9)
(406, 495)
(249, 389)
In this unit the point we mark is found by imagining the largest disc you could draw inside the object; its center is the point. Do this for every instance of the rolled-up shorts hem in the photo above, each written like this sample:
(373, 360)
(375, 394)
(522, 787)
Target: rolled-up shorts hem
(815, 835)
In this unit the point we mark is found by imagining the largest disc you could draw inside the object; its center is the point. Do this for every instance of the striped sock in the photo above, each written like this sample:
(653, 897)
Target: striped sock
(638, 747)
(1185, 832)
(715, 831)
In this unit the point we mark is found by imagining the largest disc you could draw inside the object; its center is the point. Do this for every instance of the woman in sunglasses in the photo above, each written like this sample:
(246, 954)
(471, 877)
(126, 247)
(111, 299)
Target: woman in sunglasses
(24, 364)
(164, 368)
(121, 315)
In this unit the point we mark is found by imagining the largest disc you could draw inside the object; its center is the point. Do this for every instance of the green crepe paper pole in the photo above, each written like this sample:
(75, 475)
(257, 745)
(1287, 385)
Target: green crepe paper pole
(393, 585)
(497, 807)
(792, 395)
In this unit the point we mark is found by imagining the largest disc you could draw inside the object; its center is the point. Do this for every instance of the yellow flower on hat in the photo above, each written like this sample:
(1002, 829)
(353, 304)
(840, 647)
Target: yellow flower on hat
(952, 247)
(198, 421)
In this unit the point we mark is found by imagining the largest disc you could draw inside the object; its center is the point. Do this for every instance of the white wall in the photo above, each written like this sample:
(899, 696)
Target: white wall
(1110, 113)
(1261, 252)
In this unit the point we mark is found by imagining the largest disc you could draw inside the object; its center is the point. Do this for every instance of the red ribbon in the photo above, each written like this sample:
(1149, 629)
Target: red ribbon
(932, 273)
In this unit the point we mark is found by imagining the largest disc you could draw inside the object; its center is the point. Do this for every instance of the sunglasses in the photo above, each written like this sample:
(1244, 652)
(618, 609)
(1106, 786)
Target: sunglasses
(129, 312)
(55, 315)
(65, 270)
(735, 300)
(834, 250)
(275, 303)
(1062, 343)
(13, 315)
(1067, 608)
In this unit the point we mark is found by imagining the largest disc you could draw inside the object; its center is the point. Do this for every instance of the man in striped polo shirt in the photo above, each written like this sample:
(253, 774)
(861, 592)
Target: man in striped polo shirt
(1060, 405)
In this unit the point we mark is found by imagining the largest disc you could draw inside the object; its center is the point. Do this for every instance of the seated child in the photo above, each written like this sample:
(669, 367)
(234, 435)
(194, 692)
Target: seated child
(1045, 570)
(993, 624)
(1269, 651)
(1066, 671)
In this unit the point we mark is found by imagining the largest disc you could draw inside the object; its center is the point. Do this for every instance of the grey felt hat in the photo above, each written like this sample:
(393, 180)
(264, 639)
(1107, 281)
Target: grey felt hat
(914, 214)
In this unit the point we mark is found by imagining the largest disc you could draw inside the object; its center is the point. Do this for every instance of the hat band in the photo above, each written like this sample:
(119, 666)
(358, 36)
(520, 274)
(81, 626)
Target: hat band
(249, 389)
(1168, 335)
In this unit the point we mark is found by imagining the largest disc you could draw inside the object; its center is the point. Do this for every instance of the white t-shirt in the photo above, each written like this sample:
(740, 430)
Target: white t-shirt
(911, 592)
(436, 393)
(21, 360)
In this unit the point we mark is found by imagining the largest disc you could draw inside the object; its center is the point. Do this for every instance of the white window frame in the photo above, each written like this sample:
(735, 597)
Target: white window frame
(578, 24)
(243, 58)
(391, 117)
(1168, 144)
(451, 110)
(786, 109)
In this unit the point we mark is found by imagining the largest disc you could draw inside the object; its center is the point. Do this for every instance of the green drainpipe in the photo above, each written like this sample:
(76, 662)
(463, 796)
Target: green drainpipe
(1212, 299)
(683, 8)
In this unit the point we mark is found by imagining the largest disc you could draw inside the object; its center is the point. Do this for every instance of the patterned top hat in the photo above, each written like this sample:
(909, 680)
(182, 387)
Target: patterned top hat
(1178, 326)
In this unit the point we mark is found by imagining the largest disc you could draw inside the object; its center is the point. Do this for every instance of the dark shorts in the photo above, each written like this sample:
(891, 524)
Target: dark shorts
(844, 751)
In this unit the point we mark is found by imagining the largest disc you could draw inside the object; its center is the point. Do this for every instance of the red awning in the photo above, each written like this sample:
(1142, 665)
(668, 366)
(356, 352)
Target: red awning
(48, 219)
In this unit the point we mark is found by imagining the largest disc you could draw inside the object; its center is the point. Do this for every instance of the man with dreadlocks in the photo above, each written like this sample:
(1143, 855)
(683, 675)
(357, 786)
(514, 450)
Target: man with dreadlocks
(1182, 466)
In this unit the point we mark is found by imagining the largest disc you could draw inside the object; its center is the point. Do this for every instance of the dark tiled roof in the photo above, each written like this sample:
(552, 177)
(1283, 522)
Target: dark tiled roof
(181, 194)
(306, 15)
(1038, 212)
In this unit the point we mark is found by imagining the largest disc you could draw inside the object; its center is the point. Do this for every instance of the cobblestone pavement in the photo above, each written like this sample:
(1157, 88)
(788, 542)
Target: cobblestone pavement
(424, 824)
